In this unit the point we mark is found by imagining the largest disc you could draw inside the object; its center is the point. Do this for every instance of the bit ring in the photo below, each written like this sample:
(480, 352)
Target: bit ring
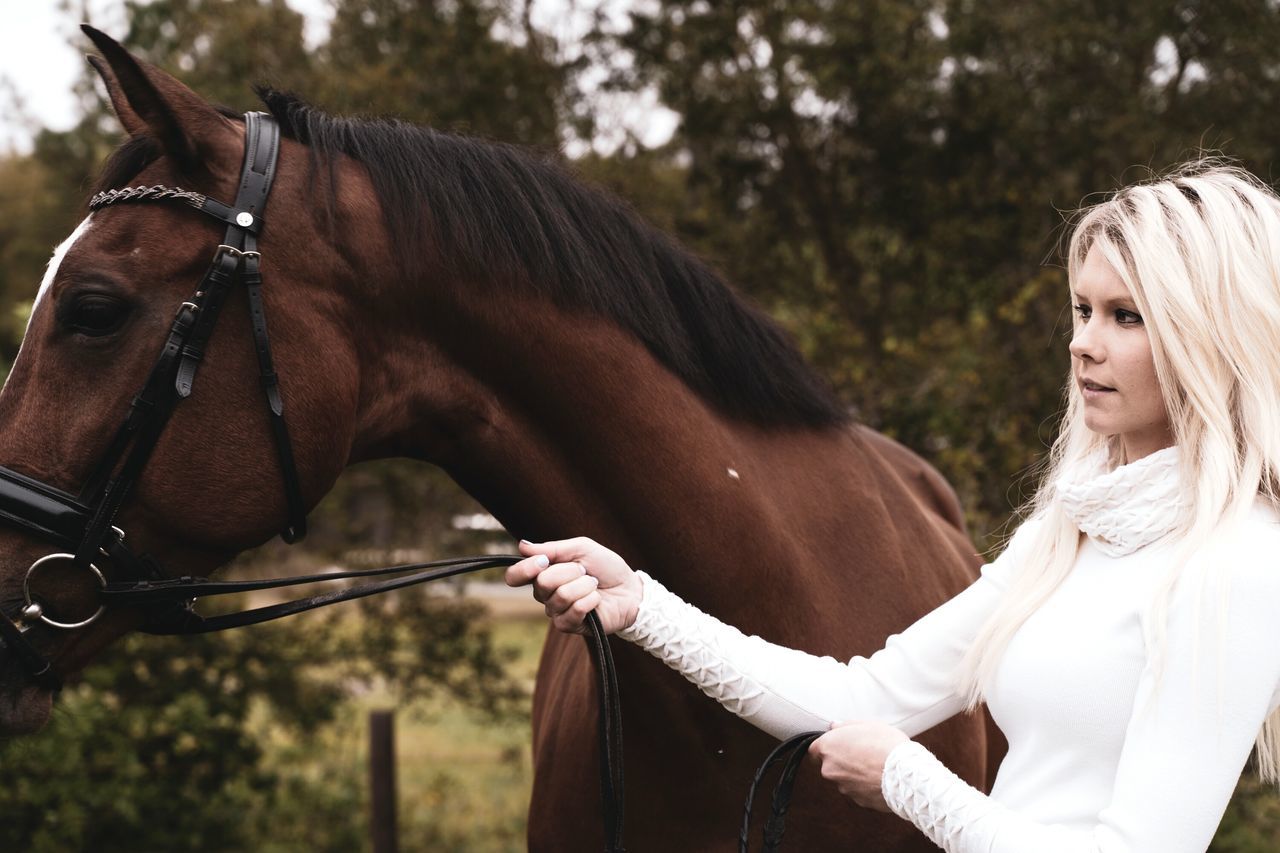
(33, 610)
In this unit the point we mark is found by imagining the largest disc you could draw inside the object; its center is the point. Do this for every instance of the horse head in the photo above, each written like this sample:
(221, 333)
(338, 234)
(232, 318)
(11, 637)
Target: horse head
(110, 301)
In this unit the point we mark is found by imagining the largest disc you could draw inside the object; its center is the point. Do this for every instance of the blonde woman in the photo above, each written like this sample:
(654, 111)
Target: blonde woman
(1127, 640)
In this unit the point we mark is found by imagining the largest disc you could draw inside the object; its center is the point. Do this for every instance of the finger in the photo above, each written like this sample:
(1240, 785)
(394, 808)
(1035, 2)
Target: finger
(569, 594)
(572, 619)
(550, 580)
(523, 572)
(815, 751)
(559, 550)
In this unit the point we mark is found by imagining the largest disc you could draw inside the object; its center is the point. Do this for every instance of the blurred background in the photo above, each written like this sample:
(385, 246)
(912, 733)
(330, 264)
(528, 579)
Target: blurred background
(889, 178)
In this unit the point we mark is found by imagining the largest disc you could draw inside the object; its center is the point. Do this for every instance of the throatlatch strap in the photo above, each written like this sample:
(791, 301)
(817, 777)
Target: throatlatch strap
(297, 527)
(240, 256)
(261, 156)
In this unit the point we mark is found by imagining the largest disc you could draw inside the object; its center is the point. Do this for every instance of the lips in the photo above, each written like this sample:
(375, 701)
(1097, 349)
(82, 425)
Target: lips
(1090, 385)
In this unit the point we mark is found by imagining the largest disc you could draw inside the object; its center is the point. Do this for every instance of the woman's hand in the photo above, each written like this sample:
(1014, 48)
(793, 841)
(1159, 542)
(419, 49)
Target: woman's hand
(852, 755)
(572, 577)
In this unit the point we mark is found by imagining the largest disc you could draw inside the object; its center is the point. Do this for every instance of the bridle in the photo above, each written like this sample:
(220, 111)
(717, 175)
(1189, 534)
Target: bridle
(84, 524)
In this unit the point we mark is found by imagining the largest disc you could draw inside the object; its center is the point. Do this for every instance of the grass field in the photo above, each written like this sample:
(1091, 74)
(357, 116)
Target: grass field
(463, 780)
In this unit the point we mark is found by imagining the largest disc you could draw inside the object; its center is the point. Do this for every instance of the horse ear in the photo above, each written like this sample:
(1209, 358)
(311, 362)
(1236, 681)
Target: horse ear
(150, 102)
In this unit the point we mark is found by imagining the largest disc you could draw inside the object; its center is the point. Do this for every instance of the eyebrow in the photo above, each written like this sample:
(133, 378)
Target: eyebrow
(1107, 303)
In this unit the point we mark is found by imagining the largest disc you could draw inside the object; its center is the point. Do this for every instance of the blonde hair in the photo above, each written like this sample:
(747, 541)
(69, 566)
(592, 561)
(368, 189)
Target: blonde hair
(1199, 250)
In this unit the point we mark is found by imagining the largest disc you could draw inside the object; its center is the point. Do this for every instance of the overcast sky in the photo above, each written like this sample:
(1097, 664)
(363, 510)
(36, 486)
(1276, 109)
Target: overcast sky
(42, 53)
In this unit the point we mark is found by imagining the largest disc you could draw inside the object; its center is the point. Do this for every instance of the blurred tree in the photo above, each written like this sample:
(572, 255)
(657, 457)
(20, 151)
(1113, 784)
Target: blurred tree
(899, 168)
(477, 66)
(160, 746)
(221, 48)
(42, 196)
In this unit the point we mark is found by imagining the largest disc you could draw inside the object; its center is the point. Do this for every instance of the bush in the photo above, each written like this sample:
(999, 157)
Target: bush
(160, 747)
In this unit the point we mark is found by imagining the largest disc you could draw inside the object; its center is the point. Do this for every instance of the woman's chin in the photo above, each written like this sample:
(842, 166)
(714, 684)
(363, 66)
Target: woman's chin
(24, 709)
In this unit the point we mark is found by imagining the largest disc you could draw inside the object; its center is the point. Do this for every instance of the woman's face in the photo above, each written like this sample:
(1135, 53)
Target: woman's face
(1112, 364)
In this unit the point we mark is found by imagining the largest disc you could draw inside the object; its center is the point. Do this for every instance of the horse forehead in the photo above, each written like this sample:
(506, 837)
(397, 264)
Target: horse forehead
(51, 271)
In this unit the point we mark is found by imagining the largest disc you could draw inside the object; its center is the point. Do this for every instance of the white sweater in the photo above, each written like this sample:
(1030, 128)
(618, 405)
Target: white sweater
(1087, 770)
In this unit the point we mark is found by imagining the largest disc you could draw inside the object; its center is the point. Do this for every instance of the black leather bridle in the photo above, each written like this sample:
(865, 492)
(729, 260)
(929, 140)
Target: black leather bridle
(83, 524)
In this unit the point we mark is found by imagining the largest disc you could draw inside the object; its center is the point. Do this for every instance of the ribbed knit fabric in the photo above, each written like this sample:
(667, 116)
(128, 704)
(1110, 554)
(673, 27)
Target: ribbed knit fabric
(1128, 508)
(1102, 759)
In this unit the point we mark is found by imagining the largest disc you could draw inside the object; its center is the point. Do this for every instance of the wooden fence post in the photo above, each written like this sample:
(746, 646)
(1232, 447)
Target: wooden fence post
(382, 781)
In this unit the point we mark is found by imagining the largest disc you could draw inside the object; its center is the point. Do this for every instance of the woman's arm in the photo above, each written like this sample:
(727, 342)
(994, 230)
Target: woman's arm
(908, 684)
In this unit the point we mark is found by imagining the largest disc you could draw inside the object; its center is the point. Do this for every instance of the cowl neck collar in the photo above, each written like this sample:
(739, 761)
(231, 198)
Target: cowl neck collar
(1128, 507)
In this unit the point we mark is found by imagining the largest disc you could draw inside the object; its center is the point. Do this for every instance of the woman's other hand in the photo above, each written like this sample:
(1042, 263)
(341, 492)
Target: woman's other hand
(572, 577)
(852, 756)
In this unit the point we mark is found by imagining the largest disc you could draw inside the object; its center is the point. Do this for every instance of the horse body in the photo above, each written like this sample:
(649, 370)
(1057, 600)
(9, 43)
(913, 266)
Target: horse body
(808, 537)
(643, 426)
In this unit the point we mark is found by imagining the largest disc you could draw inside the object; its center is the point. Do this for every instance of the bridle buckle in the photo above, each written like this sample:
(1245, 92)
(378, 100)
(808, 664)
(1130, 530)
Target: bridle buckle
(239, 253)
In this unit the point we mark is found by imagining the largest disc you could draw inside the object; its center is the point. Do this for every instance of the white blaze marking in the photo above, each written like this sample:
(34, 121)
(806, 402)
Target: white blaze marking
(733, 473)
(51, 271)
(49, 274)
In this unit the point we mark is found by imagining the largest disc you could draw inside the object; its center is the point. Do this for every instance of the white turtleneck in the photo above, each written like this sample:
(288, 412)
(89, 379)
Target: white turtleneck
(1101, 758)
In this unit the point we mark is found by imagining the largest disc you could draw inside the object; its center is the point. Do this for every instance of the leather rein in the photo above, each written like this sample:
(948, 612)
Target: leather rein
(84, 524)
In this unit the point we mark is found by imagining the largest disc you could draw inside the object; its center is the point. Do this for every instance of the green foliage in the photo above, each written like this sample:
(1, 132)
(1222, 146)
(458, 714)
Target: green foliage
(222, 47)
(888, 177)
(897, 168)
(471, 65)
(160, 746)
(1252, 822)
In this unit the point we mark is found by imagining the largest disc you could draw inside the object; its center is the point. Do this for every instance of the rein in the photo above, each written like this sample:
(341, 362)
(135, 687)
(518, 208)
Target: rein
(84, 524)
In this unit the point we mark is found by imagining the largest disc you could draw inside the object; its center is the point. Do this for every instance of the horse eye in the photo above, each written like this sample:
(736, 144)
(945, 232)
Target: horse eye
(95, 314)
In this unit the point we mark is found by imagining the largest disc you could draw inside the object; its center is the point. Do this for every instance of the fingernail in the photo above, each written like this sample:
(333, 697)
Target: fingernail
(595, 580)
(541, 561)
(525, 542)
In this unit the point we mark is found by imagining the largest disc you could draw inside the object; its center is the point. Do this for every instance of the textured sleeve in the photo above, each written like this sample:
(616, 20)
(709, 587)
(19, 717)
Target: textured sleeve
(908, 684)
(1184, 749)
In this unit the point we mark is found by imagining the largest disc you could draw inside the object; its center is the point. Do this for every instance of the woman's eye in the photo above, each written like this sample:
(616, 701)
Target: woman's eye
(1127, 318)
(96, 314)
(1083, 311)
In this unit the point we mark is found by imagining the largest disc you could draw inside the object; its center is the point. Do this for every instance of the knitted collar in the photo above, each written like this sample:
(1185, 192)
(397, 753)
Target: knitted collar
(1124, 509)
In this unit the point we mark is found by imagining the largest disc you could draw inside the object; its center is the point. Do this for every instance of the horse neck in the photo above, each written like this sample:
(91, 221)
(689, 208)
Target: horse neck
(562, 424)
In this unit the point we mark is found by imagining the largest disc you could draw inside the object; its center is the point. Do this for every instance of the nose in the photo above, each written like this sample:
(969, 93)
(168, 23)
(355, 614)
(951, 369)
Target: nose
(1086, 342)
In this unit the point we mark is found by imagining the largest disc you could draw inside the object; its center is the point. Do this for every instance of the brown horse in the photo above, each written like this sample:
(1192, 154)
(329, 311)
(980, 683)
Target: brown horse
(474, 305)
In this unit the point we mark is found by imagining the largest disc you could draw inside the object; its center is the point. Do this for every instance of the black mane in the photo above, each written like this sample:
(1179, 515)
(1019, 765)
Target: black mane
(501, 215)
(126, 162)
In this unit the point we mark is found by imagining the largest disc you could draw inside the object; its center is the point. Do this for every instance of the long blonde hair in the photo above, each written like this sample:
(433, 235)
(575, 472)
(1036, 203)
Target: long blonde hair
(1199, 250)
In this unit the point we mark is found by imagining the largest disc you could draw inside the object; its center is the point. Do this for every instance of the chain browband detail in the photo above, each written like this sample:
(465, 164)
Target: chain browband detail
(156, 192)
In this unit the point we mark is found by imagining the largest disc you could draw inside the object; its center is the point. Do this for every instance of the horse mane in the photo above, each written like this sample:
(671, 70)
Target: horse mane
(498, 215)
